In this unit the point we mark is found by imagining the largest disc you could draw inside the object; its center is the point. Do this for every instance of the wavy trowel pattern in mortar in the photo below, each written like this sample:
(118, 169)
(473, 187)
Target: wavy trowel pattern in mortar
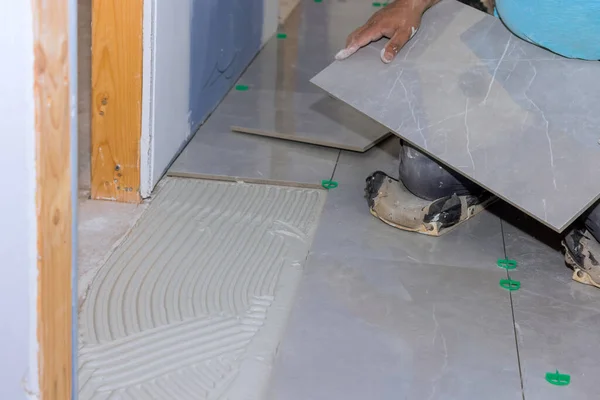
(175, 310)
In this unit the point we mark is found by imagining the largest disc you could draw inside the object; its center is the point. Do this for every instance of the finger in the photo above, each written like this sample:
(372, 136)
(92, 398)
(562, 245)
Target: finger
(361, 38)
(349, 50)
(366, 36)
(357, 32)
(392, 48)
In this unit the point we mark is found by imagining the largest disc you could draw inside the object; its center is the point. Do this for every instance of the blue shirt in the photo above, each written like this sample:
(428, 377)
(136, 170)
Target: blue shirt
(570, 28)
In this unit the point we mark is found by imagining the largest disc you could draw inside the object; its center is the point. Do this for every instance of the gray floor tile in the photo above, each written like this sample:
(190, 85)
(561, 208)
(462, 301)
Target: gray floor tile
(281, 102)
(302, 117)
(347, 229)
(353, 168)
(557, 319)
(515, 118)
(216, 152)
(369, 329)
(315, 33)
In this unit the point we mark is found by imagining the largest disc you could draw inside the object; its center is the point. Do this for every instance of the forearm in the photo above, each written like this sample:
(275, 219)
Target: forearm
(420, 5)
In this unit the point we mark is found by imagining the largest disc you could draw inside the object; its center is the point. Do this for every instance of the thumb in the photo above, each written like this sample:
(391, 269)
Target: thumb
(397, 41)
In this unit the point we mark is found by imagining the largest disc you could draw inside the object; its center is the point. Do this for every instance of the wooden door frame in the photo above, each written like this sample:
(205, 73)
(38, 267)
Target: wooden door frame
(55, 100)
(116, 99)
(116, 122)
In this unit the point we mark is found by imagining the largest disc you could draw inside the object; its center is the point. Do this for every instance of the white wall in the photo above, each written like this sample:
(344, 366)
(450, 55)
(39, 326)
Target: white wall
(184, 42)
(270, 19)
(165, 113)
(18, 291)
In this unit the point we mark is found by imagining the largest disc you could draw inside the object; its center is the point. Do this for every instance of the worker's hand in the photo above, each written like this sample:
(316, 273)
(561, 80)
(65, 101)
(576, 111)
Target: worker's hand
(397, 21)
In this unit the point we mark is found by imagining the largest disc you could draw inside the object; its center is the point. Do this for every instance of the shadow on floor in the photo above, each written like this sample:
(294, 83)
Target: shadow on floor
(523, 222)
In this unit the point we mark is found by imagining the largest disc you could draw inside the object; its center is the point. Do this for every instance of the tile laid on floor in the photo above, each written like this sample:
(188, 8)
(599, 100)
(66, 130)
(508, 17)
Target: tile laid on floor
(282, 103)
(347, 228)
(467, 91)
(369, 329)
(217, 153)
(557, 319)
(301, 117)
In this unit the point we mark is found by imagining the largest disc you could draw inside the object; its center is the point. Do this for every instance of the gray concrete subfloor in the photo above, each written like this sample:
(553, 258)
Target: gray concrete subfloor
(386, 314)
(101, 227)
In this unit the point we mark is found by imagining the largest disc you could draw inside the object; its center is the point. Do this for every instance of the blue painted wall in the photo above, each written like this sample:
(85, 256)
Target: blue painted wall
(225, 37)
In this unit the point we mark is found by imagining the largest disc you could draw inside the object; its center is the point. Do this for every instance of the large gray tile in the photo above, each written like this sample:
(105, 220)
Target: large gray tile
(369, 329)
(557, 319)
(315, 33)
(347, 228)
(513, 117)
(282, 103)
(302, 117)
(216, 152)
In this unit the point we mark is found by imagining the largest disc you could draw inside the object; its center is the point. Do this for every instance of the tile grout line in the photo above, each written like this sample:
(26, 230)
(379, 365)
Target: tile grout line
(512, 310)
(337, 160)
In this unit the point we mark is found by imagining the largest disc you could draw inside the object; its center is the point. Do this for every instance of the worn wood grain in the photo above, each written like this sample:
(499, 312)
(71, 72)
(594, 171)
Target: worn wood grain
(116, 99)
(53, 197)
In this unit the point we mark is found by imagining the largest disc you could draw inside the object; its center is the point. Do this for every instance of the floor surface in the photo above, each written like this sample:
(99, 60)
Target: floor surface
(282, 103)
(101, 227)
(385, 314)
(193, 303)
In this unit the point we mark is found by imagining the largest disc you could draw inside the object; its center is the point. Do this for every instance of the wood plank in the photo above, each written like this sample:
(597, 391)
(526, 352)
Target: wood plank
(54, 208)
(258, 181)
(116, 99)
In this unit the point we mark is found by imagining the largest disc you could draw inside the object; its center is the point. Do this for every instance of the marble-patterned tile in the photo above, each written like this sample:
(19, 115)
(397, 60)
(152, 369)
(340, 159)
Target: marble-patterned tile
(301, 117)
(513, 117)
(348, 229)
(281, 102)
(217, 153)
(557, 320)
(365, 328)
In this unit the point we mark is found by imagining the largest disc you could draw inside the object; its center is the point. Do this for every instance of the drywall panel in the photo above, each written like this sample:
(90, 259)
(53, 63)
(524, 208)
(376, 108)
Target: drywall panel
(517, 119)
(18, 231)
(270, 19)
(194, 51)
(171, 79)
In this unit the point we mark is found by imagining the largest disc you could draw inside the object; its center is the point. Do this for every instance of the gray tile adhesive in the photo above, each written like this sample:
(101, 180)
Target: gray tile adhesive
(192, 305)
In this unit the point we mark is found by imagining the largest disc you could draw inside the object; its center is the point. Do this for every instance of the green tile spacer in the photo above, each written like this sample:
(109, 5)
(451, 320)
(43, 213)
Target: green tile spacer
(328, 184)
(558, 379)
(281, 35)
(376, 4)
(510, 285)
(242, 88)
(507, 264)
(318, 1)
